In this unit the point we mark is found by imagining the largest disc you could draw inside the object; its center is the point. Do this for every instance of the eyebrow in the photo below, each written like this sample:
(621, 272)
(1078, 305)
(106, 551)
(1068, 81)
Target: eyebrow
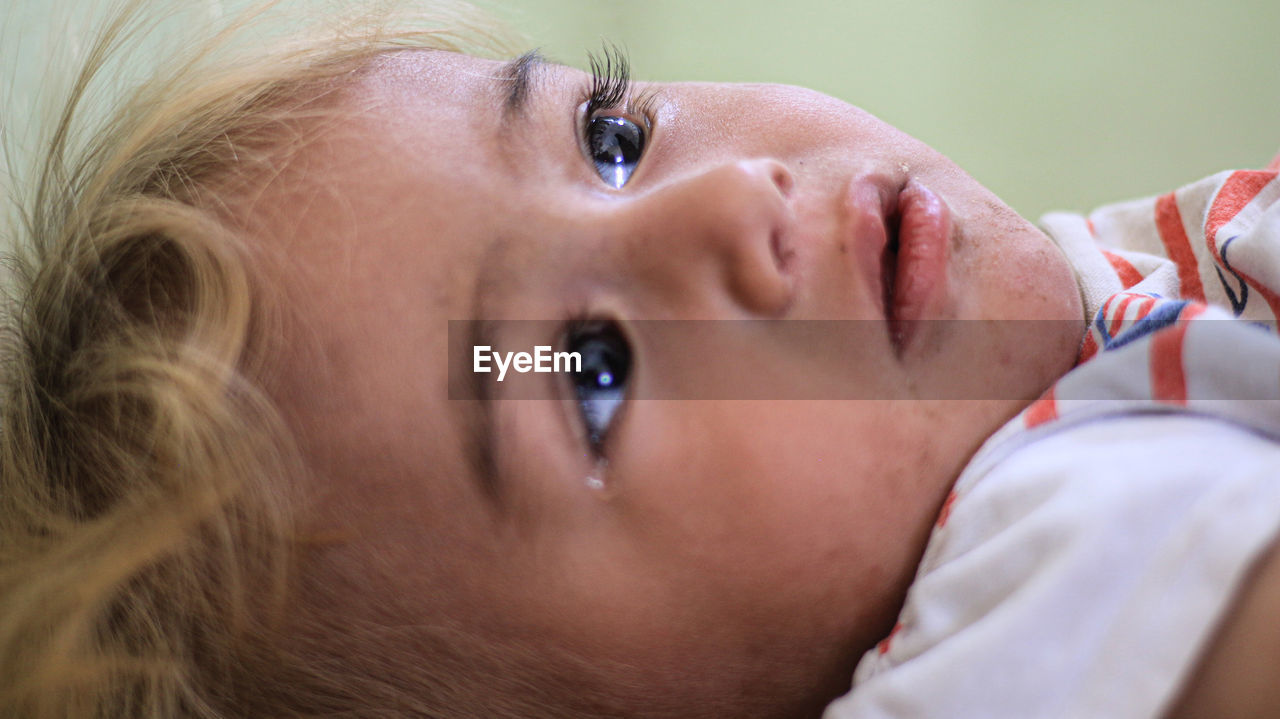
(516, 78)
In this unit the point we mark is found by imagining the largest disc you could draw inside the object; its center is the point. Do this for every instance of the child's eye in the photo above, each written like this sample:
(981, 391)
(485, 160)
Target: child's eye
(601, 385)
(613, 140)
(616, 144)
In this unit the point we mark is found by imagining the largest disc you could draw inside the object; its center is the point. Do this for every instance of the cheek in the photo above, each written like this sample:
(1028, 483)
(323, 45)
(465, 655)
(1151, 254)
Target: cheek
(1052, 294)
(1033, 285)
(771, 492)
(1010, 268)
(745, 529)
(1040, 283)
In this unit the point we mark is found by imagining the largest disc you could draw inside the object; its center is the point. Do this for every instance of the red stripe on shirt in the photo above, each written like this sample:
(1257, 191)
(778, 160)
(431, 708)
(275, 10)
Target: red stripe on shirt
(1237, 192)
(945, 513)
(1128, 274)
(1176, 245)
(1275, 163)
(1234, 195)
(1117, 315)
(1168, 375)
(1088, 348)
(883, 647)
(1145, 308)
(1042, 410)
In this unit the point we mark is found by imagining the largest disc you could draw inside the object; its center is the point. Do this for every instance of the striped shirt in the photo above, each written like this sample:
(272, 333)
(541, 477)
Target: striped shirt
(1091, 545)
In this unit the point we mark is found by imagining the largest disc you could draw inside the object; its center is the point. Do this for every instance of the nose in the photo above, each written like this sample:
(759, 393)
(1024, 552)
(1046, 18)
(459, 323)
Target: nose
(722, 230)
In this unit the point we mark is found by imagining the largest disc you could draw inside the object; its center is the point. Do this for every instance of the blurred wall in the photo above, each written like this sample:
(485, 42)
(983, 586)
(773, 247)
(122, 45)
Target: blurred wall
(1053, 105)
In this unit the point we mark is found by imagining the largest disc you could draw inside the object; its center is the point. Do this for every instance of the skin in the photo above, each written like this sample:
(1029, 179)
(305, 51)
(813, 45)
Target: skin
(749, 549)
(1236, 675)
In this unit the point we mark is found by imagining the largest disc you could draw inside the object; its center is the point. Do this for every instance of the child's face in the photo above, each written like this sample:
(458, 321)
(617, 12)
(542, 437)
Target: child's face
(727, 538)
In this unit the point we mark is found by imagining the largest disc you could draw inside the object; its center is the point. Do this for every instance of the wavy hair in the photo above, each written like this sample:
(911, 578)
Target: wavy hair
(147, 484)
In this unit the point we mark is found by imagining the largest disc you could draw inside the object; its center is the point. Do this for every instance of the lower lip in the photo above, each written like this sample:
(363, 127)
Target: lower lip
(919, 275)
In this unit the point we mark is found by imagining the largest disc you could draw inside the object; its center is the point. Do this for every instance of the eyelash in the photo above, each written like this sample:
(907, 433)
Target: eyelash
(575, 323)
(610, 91)
(611, 88)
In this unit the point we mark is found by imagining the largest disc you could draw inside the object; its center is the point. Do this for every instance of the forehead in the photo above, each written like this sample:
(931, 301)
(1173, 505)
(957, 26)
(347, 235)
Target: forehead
(448, 95)
(373, 234)
(397, 180)
(443, 126)
(436, 81)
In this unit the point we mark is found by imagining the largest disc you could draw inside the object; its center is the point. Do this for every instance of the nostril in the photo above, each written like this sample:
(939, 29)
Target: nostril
(779, 237)
(782, 178)
(739, 219)
(782, 254)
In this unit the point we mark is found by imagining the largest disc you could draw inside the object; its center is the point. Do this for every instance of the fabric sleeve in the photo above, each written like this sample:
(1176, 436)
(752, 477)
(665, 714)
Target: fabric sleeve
(1215, 241)
(1080, 577)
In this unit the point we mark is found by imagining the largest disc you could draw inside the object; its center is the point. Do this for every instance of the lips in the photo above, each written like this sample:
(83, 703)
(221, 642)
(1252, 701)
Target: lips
(889, 269)
(906, 232)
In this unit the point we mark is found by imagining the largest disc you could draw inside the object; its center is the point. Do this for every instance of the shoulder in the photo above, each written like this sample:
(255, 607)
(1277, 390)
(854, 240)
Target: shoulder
(1237, 674)
(1086, 573)
(1215, 481)
(1101, 446)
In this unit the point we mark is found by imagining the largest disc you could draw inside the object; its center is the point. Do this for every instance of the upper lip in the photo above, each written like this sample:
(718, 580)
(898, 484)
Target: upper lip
(889, 265)
(873, 204)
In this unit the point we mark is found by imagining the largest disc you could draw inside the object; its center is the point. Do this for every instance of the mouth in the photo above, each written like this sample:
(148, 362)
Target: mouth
(913, 238)
(888, 278)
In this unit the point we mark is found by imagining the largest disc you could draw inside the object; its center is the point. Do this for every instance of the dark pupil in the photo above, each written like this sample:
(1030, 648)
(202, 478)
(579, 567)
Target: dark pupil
(605, 362)
(615, 140)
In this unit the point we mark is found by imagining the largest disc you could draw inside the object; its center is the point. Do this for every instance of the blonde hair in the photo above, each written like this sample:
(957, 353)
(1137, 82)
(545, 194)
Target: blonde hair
(146, 482)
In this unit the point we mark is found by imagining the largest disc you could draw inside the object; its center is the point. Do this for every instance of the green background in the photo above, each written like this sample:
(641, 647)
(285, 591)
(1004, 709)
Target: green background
(1053, 105)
